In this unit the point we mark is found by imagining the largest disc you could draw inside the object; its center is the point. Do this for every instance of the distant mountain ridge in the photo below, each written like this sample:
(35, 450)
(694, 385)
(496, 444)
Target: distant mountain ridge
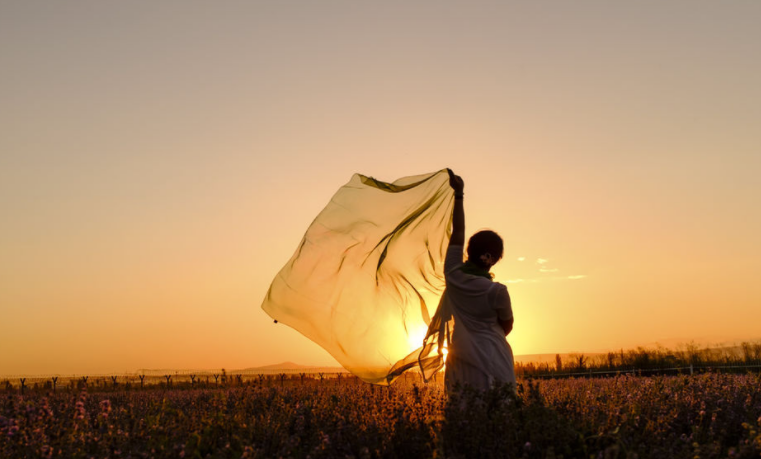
(278, 366)
(288, 366)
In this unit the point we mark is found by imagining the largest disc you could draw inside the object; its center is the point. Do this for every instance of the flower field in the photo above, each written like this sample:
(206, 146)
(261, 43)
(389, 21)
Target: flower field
(707, 415)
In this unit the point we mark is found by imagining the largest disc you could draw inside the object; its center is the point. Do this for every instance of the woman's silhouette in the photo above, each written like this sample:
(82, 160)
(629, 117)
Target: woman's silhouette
(478, 354)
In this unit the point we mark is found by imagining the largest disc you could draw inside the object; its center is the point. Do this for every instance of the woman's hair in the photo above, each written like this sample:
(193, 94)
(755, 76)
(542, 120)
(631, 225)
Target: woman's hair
(482, 242)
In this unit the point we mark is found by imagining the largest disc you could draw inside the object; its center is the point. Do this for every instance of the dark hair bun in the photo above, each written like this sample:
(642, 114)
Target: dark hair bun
(482, 242)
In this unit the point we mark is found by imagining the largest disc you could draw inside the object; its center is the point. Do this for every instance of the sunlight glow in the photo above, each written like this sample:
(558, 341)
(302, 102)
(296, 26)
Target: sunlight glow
(416, 337)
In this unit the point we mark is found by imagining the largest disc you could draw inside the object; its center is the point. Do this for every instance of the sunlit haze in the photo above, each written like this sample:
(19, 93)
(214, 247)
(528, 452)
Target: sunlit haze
(160, 162)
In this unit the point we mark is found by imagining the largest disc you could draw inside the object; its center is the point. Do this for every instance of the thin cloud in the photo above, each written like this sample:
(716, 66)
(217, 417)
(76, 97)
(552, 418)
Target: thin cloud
(544, 272)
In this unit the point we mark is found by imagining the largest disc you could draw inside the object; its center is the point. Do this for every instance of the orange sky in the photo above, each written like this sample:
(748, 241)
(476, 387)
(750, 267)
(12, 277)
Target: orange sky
(160, 161)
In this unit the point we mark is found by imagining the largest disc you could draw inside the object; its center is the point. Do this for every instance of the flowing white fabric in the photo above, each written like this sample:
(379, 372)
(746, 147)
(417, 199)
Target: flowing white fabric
(365, 278)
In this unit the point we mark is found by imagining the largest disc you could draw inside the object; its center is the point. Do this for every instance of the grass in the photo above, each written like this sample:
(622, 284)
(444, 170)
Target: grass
(706, 415)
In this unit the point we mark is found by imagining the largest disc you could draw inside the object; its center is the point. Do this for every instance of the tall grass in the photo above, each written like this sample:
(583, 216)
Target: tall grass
(709, 416)
(739, 358)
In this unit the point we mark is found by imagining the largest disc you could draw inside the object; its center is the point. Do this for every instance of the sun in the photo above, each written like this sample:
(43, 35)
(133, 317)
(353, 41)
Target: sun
(415, 341)
(415, 337)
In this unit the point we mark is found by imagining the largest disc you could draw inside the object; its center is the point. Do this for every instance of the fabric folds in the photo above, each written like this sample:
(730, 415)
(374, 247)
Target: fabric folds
(369, 273)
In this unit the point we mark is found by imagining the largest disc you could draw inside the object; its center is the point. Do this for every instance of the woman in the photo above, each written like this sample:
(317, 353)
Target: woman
(478, 354)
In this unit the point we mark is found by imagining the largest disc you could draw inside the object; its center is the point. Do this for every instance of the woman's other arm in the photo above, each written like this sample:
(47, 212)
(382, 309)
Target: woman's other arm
(504, 308)
(507, 325)
(458, 216)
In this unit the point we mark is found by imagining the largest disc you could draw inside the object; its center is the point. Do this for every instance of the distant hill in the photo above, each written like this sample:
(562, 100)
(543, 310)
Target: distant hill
(278, 366)
(289, 367)
(284, 367)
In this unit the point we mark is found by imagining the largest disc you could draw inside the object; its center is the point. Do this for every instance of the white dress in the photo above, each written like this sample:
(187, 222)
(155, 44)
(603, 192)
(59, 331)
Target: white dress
(478, 354)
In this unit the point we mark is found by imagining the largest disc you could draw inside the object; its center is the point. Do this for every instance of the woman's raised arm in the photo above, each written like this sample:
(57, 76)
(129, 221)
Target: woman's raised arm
(458, 217)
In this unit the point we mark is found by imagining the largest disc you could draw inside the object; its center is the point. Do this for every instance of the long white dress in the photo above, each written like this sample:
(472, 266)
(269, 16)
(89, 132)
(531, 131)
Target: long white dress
(478, 353)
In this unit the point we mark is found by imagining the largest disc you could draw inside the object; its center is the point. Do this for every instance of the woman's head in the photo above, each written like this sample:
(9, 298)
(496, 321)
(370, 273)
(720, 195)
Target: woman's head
(485, 248)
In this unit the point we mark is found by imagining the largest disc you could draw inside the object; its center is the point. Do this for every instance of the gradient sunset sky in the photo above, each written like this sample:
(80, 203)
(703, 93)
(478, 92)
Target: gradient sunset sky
(160, 162)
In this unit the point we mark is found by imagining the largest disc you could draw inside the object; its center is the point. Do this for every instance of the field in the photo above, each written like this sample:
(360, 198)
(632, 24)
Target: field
(707, 415)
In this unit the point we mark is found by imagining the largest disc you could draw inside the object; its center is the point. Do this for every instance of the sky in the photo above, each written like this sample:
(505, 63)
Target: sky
(160, 162)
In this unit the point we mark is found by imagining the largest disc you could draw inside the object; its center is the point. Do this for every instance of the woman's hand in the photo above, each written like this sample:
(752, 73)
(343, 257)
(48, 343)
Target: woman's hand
(456, 182)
